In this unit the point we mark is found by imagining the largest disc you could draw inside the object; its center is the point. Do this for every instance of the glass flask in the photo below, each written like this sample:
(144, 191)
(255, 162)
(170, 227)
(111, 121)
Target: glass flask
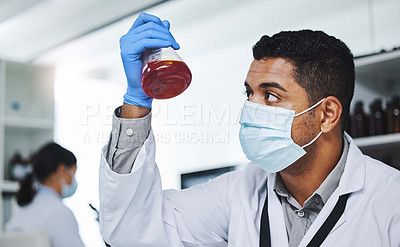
(164, 74)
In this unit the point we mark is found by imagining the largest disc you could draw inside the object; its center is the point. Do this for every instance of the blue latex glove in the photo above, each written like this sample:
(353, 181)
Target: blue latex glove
(148, 31)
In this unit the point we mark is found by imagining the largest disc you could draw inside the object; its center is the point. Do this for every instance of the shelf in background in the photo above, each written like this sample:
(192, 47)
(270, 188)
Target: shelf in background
(378, 140)
(377, 58)
(9, 186)
(379, 72)
(381, 143)
(25, 122)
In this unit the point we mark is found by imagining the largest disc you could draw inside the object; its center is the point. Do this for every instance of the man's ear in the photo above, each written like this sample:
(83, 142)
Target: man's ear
(331, 113)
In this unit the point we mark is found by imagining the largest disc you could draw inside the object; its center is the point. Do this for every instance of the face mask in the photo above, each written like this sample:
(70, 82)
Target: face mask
(68, 190)
(265, 136)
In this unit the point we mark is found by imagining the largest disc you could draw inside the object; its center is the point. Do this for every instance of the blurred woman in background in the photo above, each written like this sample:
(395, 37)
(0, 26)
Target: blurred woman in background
(40, 197)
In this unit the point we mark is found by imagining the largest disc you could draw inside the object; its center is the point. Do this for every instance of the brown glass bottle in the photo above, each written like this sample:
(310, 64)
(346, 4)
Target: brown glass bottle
(377, 122)
(359, 121)
(393, 115)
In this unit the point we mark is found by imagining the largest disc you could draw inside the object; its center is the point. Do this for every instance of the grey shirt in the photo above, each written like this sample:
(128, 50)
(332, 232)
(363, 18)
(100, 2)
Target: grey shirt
(129, 135)
(299, 219)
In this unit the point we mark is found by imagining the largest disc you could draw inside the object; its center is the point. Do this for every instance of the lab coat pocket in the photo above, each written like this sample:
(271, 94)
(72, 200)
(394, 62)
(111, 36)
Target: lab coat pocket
(219, 244)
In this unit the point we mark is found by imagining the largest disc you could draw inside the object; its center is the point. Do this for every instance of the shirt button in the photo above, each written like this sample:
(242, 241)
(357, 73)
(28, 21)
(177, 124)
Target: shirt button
(300, 213)
(129, 132)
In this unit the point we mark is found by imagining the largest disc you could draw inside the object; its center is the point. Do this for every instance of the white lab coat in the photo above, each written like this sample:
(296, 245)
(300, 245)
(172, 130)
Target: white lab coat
(227, 210)
(48, 213)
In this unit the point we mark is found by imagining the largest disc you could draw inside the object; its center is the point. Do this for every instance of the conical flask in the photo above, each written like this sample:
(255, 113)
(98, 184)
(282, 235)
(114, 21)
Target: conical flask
(164, 74)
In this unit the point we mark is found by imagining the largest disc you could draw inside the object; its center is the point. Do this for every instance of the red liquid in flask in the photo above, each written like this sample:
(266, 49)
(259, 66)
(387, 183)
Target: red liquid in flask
(165, 79)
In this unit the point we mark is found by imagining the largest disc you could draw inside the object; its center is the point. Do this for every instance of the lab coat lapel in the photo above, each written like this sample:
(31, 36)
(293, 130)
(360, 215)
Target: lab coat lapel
(352, 180)
(276, 219)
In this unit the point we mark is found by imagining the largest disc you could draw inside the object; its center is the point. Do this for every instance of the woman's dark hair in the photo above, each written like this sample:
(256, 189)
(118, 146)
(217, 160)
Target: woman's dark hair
(323, 64)
(45, 163)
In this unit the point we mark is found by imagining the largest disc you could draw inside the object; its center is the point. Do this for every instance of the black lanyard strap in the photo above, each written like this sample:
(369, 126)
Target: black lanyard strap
(319, 237)
(330, 222)
(265, 232)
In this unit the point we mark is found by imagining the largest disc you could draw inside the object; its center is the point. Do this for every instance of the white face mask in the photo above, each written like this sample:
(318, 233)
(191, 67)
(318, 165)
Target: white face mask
(68, 190)
(265, 136)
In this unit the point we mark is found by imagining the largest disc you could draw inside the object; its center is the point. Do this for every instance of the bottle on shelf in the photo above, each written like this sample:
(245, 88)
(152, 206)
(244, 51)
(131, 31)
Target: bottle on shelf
(164, 74)
(360, 121)
(19, 168)
(393, 114)
(377, 119)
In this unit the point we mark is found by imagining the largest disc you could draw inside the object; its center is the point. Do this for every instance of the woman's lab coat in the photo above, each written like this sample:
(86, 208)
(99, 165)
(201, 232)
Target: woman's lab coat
(226, 211)
(48, 213)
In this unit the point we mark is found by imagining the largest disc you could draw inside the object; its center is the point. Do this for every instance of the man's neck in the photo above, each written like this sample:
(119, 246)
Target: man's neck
(305, 176)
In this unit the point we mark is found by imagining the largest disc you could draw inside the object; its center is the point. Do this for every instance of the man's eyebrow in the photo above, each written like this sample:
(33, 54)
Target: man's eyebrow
(271, 84)
(268, 84)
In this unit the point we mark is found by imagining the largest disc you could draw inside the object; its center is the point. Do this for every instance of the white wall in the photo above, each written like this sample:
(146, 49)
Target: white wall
(83, 121)
(216, 39)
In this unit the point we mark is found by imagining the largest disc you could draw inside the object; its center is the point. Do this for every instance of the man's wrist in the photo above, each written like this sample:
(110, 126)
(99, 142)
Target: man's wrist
(134, 111)
(135, 98)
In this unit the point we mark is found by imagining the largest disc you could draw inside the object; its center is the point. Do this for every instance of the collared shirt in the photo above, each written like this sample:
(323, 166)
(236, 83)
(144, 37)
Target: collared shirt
(299, 219)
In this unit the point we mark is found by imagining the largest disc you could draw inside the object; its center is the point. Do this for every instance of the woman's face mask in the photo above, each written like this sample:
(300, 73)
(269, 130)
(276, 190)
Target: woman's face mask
(68, 190)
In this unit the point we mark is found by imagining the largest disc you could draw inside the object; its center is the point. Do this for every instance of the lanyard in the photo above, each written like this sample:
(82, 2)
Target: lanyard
(319, 237)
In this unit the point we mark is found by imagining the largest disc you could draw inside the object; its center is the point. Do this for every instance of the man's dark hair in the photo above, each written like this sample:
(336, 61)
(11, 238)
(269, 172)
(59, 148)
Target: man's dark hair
(323, 64)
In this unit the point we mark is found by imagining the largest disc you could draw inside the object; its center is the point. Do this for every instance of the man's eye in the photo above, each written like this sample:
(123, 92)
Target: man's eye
(271, 97)
(249, 94)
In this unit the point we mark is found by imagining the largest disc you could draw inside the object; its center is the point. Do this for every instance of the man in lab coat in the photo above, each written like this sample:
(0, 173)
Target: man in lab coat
(308, 184)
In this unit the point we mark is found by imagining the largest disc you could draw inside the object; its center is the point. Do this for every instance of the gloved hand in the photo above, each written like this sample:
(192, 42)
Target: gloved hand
(148, 31)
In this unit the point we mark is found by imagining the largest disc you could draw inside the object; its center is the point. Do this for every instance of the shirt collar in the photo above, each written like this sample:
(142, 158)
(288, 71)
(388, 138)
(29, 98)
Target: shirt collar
(331, 182)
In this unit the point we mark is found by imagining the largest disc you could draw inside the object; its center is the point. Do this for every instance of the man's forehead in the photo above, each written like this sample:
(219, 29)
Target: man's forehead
(276, 70)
